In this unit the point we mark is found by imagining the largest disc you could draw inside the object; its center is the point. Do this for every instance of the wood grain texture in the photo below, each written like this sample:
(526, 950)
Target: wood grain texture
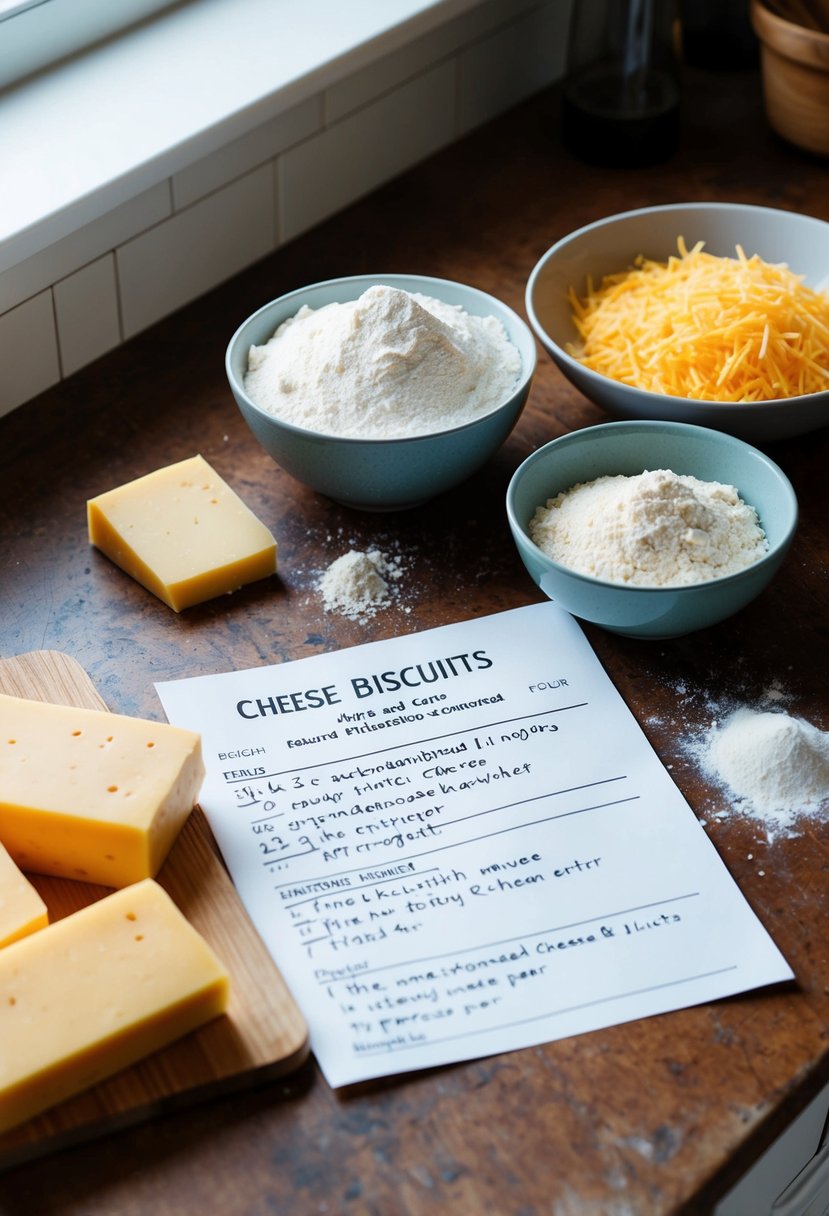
(795, 67)
(263, 1031)
(654, 1118)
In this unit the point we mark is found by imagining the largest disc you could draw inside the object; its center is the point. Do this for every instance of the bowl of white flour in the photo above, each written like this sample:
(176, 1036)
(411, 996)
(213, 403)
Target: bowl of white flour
(382, 391)
(651, 529)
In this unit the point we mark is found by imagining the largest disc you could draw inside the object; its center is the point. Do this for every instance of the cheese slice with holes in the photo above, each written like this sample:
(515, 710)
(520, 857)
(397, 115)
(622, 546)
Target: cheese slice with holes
(92, 795)
(95, 992)
(22, 911)
(183, 533)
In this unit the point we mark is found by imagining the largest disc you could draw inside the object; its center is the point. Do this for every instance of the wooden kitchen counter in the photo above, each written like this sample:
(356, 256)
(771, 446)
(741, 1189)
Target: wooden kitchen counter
(658, 1116)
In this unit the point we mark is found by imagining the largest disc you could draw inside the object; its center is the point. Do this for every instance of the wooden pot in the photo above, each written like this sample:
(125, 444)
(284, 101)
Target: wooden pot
(795, 68)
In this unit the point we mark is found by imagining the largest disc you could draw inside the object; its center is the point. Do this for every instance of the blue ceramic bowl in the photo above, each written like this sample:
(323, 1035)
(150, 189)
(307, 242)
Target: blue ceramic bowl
(380, 474)
(610, 245)
(634, 447)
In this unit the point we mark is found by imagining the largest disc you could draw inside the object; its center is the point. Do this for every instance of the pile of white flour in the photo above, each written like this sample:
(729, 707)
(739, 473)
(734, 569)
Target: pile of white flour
(358, 584)
(655, 529)
(388, 365)
(774, 764)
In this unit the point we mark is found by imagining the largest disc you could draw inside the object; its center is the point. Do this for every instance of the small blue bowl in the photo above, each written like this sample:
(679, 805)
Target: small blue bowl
(380, 474)
(630, 448)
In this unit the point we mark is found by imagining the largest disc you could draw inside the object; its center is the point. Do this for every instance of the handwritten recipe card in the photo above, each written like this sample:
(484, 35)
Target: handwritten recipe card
(459, 842)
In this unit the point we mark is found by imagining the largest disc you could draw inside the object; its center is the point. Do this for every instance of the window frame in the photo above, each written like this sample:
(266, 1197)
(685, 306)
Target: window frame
(37, 33)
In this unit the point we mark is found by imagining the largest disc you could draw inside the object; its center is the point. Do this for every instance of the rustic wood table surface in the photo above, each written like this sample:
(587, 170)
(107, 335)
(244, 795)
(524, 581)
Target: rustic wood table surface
(658, 1116)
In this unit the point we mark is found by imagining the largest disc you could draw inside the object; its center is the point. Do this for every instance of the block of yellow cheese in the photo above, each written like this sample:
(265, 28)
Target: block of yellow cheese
(92, 795)
(183, 533)
(95, 992)
(22, 911)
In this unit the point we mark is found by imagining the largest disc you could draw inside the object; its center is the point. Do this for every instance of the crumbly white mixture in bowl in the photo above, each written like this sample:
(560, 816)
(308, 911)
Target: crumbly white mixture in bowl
(390, 404)
(649, 528)
(653, 529)
(387, 365)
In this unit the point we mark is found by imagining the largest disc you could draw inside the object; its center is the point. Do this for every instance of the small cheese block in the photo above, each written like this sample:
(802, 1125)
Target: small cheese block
(22, 911)
(92, 795)
(95, 992)
(182, 533)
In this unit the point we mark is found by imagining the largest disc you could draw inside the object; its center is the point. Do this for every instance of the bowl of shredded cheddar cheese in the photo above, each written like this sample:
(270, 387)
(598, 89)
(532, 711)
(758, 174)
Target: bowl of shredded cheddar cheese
(715, 314)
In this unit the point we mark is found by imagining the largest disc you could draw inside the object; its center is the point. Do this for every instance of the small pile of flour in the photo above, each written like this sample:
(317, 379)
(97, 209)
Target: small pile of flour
(655, 529)
(357, 584)
(388, 365)
(774, 764)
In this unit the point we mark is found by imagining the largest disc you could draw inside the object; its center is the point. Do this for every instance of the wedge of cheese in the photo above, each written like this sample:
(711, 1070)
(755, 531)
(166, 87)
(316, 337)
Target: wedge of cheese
(183, 533)
(95, 992)
(22, 911)
(92, 795)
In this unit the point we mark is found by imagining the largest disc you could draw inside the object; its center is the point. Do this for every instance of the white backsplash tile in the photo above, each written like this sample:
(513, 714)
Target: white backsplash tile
(169, 244)
(363, 86)
(28, 351)
(86, 312)
(510, 65)
(27, 278)
(367, 85)
(349, 159)
(196, 250)
(244, 154)
(484, 18)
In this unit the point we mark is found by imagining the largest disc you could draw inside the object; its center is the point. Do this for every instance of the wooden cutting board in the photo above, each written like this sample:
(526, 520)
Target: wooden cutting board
(263, 1034)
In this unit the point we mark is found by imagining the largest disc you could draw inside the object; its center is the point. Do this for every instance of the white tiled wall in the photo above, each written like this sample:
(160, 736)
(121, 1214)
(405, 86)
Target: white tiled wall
(195, 249)
(351, 157)
(72, 302)
(86, 313)
(29, 349)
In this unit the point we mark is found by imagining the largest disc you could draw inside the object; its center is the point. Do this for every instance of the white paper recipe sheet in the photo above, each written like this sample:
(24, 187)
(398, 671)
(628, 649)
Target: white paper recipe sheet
(459, 842)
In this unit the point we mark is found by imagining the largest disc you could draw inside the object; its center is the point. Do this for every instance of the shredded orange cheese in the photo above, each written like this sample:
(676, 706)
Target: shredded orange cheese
(705, 327)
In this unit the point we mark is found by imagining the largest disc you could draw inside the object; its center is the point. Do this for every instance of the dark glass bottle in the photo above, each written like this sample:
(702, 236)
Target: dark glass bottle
(621, 93)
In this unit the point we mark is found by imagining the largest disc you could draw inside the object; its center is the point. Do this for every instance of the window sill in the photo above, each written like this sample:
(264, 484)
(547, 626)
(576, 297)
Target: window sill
(84, 137)
(208, 160)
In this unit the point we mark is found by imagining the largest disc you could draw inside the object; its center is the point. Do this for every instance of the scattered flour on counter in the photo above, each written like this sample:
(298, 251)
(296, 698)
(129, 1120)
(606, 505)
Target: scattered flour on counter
(654, 529)
(390, 364)
(776, 765)
(358, 584)
(768, 765)
(775, 692)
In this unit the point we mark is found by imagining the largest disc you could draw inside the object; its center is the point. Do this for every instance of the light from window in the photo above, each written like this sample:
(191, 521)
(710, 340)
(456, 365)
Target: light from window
(38, 33)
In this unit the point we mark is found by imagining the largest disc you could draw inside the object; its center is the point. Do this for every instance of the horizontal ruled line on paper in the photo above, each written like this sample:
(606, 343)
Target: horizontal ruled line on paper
(508, 941)
(513, 827)
(506, 806)
(442, 836)
(393, 1048)
(396, 747)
